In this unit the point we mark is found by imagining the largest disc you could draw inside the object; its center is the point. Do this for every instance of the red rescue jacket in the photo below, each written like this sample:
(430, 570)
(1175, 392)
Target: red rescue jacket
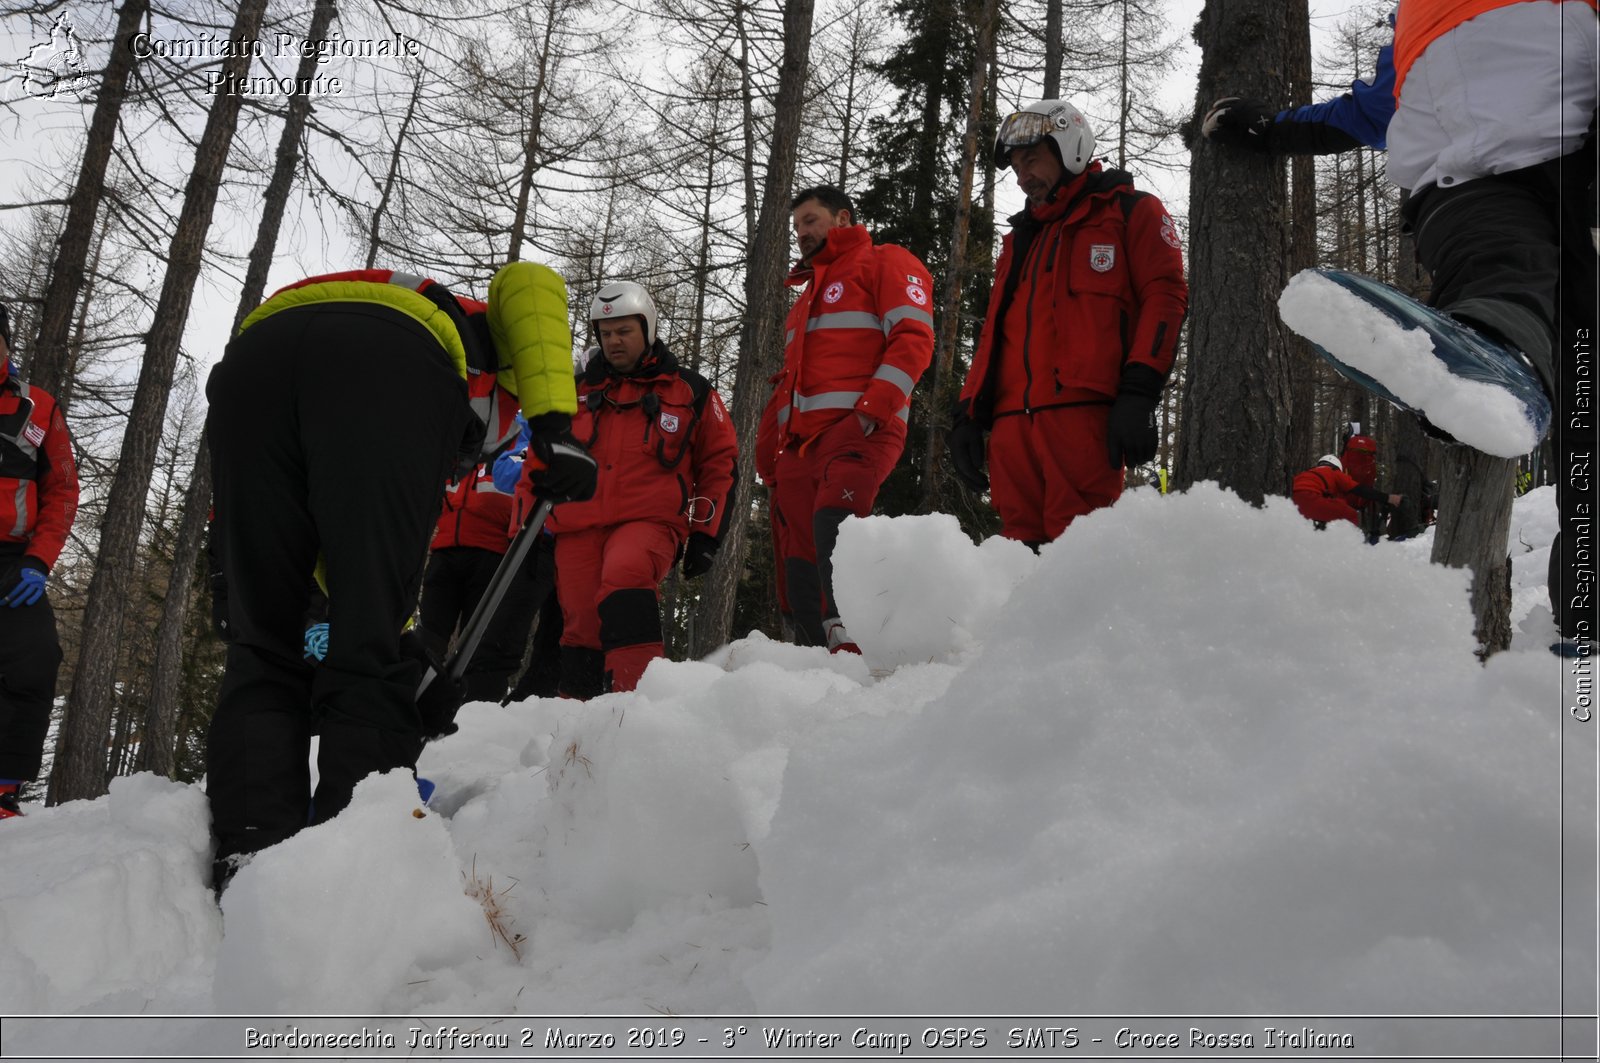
(476, 513)
(663, 440)
(858, 337)
(1086, 283)
(38, 474)
(1324, 481)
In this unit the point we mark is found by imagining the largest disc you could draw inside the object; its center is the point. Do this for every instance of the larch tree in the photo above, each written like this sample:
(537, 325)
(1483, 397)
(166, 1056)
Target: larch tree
(80, 769)
(1236, 386)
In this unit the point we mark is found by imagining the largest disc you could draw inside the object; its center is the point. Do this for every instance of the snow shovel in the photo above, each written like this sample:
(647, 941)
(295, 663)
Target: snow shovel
(472, 634)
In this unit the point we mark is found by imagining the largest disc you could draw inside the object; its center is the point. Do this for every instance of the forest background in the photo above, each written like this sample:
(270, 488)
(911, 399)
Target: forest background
(143, 213)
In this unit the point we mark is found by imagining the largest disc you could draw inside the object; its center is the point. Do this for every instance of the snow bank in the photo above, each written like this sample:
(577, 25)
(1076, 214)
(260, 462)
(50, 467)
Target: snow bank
(1195, 756)
(1208, 759)
(104, 904)
(338, 917)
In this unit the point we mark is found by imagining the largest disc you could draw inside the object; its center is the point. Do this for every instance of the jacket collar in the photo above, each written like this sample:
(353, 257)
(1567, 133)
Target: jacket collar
(1072, 194)
(843, 241)
(658, 361)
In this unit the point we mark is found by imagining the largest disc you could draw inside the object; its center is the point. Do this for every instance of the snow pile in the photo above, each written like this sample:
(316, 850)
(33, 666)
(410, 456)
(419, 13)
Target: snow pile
(1208, 759)
(1195, 756)
(1403, 360)
(101, 900)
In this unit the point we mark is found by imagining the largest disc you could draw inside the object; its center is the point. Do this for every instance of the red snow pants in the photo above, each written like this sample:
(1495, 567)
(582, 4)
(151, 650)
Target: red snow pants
(1048, 468)
(607, 580)
(833, 475)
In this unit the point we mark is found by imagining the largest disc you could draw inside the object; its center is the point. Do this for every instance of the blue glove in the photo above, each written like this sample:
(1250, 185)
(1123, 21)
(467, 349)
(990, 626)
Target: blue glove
(317, 641)
(28, 589)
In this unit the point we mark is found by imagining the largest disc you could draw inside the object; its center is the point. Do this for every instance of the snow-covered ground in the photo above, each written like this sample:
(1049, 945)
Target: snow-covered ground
(1195, 758)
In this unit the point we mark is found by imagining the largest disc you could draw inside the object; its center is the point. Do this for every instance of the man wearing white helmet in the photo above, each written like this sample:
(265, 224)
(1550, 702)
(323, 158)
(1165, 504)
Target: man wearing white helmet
(1323, 493)
(666, 450)
(1083, 322)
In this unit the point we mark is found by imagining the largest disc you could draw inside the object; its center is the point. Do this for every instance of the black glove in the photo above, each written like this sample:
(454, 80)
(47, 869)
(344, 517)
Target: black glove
(965, 440)
(557, 466)
(437, 704)
(698, 553)
(1241, 123)
(1131, 434)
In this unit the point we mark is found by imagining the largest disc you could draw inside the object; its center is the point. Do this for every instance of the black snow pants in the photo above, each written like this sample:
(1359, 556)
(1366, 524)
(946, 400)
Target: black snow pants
(1512, 252)
(333, 429)
(451, 589)
(30, 658)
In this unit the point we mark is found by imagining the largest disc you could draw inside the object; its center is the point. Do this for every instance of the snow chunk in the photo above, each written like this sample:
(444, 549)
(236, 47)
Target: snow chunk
(1403, 360)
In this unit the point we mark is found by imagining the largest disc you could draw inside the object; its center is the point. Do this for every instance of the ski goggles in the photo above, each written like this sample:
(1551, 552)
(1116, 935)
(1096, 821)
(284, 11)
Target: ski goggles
(1021, 130)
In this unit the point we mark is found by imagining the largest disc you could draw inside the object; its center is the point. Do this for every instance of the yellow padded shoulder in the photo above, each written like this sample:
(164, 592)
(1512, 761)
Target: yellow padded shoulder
(528, 320)
(412, 304)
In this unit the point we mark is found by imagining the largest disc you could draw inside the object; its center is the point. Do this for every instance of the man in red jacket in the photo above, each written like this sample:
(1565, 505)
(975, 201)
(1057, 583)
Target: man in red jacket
(858, 338)
(1083, 322)
(38, 499)
(666, 450)
(1327, 492)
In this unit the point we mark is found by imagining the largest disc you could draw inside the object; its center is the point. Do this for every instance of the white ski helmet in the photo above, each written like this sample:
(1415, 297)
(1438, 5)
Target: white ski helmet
(1331, 459)
(624, 299)
(1056, 119)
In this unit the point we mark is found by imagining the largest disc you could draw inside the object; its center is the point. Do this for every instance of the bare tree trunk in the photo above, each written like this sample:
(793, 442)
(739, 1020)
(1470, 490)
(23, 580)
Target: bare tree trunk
(80, 766)
(761, 338)
(374, 238)
(1475, 493)
(1303, 243)
(49, 368)
(156, 751)
(1237, 375)
(985, 15)
(530, 149)
(747, 96)
(1052, 49)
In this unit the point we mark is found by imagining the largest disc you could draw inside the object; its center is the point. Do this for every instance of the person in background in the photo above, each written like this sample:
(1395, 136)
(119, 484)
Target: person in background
(38, 501)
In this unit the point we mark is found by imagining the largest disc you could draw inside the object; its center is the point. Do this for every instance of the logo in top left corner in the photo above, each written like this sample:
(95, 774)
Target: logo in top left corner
(54, 69)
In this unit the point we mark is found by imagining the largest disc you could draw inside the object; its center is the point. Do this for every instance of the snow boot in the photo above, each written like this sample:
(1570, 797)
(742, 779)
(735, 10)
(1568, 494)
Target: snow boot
(839, 640)
(1465, 386)
(10, 799)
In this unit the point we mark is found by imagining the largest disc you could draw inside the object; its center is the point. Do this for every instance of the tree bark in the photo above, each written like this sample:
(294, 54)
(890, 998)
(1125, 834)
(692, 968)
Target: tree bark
(1303, 243)
(1237, 381)
(985, 15)
(80, 766)
(156, 752)
(1475, 493)
(761, 337)
(1053, 48)
(50, 353)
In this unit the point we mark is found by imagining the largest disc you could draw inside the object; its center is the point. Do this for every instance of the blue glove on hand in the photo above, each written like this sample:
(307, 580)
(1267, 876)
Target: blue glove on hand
(29, 587)
(317, 641)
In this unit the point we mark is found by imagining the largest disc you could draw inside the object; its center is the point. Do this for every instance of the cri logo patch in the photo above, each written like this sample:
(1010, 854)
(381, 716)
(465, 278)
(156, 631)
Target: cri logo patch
(917, 295)
(1102, 257)
(834, 292)
(669, 422)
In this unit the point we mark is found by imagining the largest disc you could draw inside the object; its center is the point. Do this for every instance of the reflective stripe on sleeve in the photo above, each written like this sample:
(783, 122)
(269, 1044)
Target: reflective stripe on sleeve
(845, 319)
(905, 313)
(898, 377)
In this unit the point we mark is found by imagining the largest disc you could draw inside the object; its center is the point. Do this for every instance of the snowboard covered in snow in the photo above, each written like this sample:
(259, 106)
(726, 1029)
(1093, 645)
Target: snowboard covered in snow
(1458, 381)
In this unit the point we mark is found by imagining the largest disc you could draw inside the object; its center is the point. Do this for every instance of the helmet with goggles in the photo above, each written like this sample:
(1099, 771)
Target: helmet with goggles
(1056, 120)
